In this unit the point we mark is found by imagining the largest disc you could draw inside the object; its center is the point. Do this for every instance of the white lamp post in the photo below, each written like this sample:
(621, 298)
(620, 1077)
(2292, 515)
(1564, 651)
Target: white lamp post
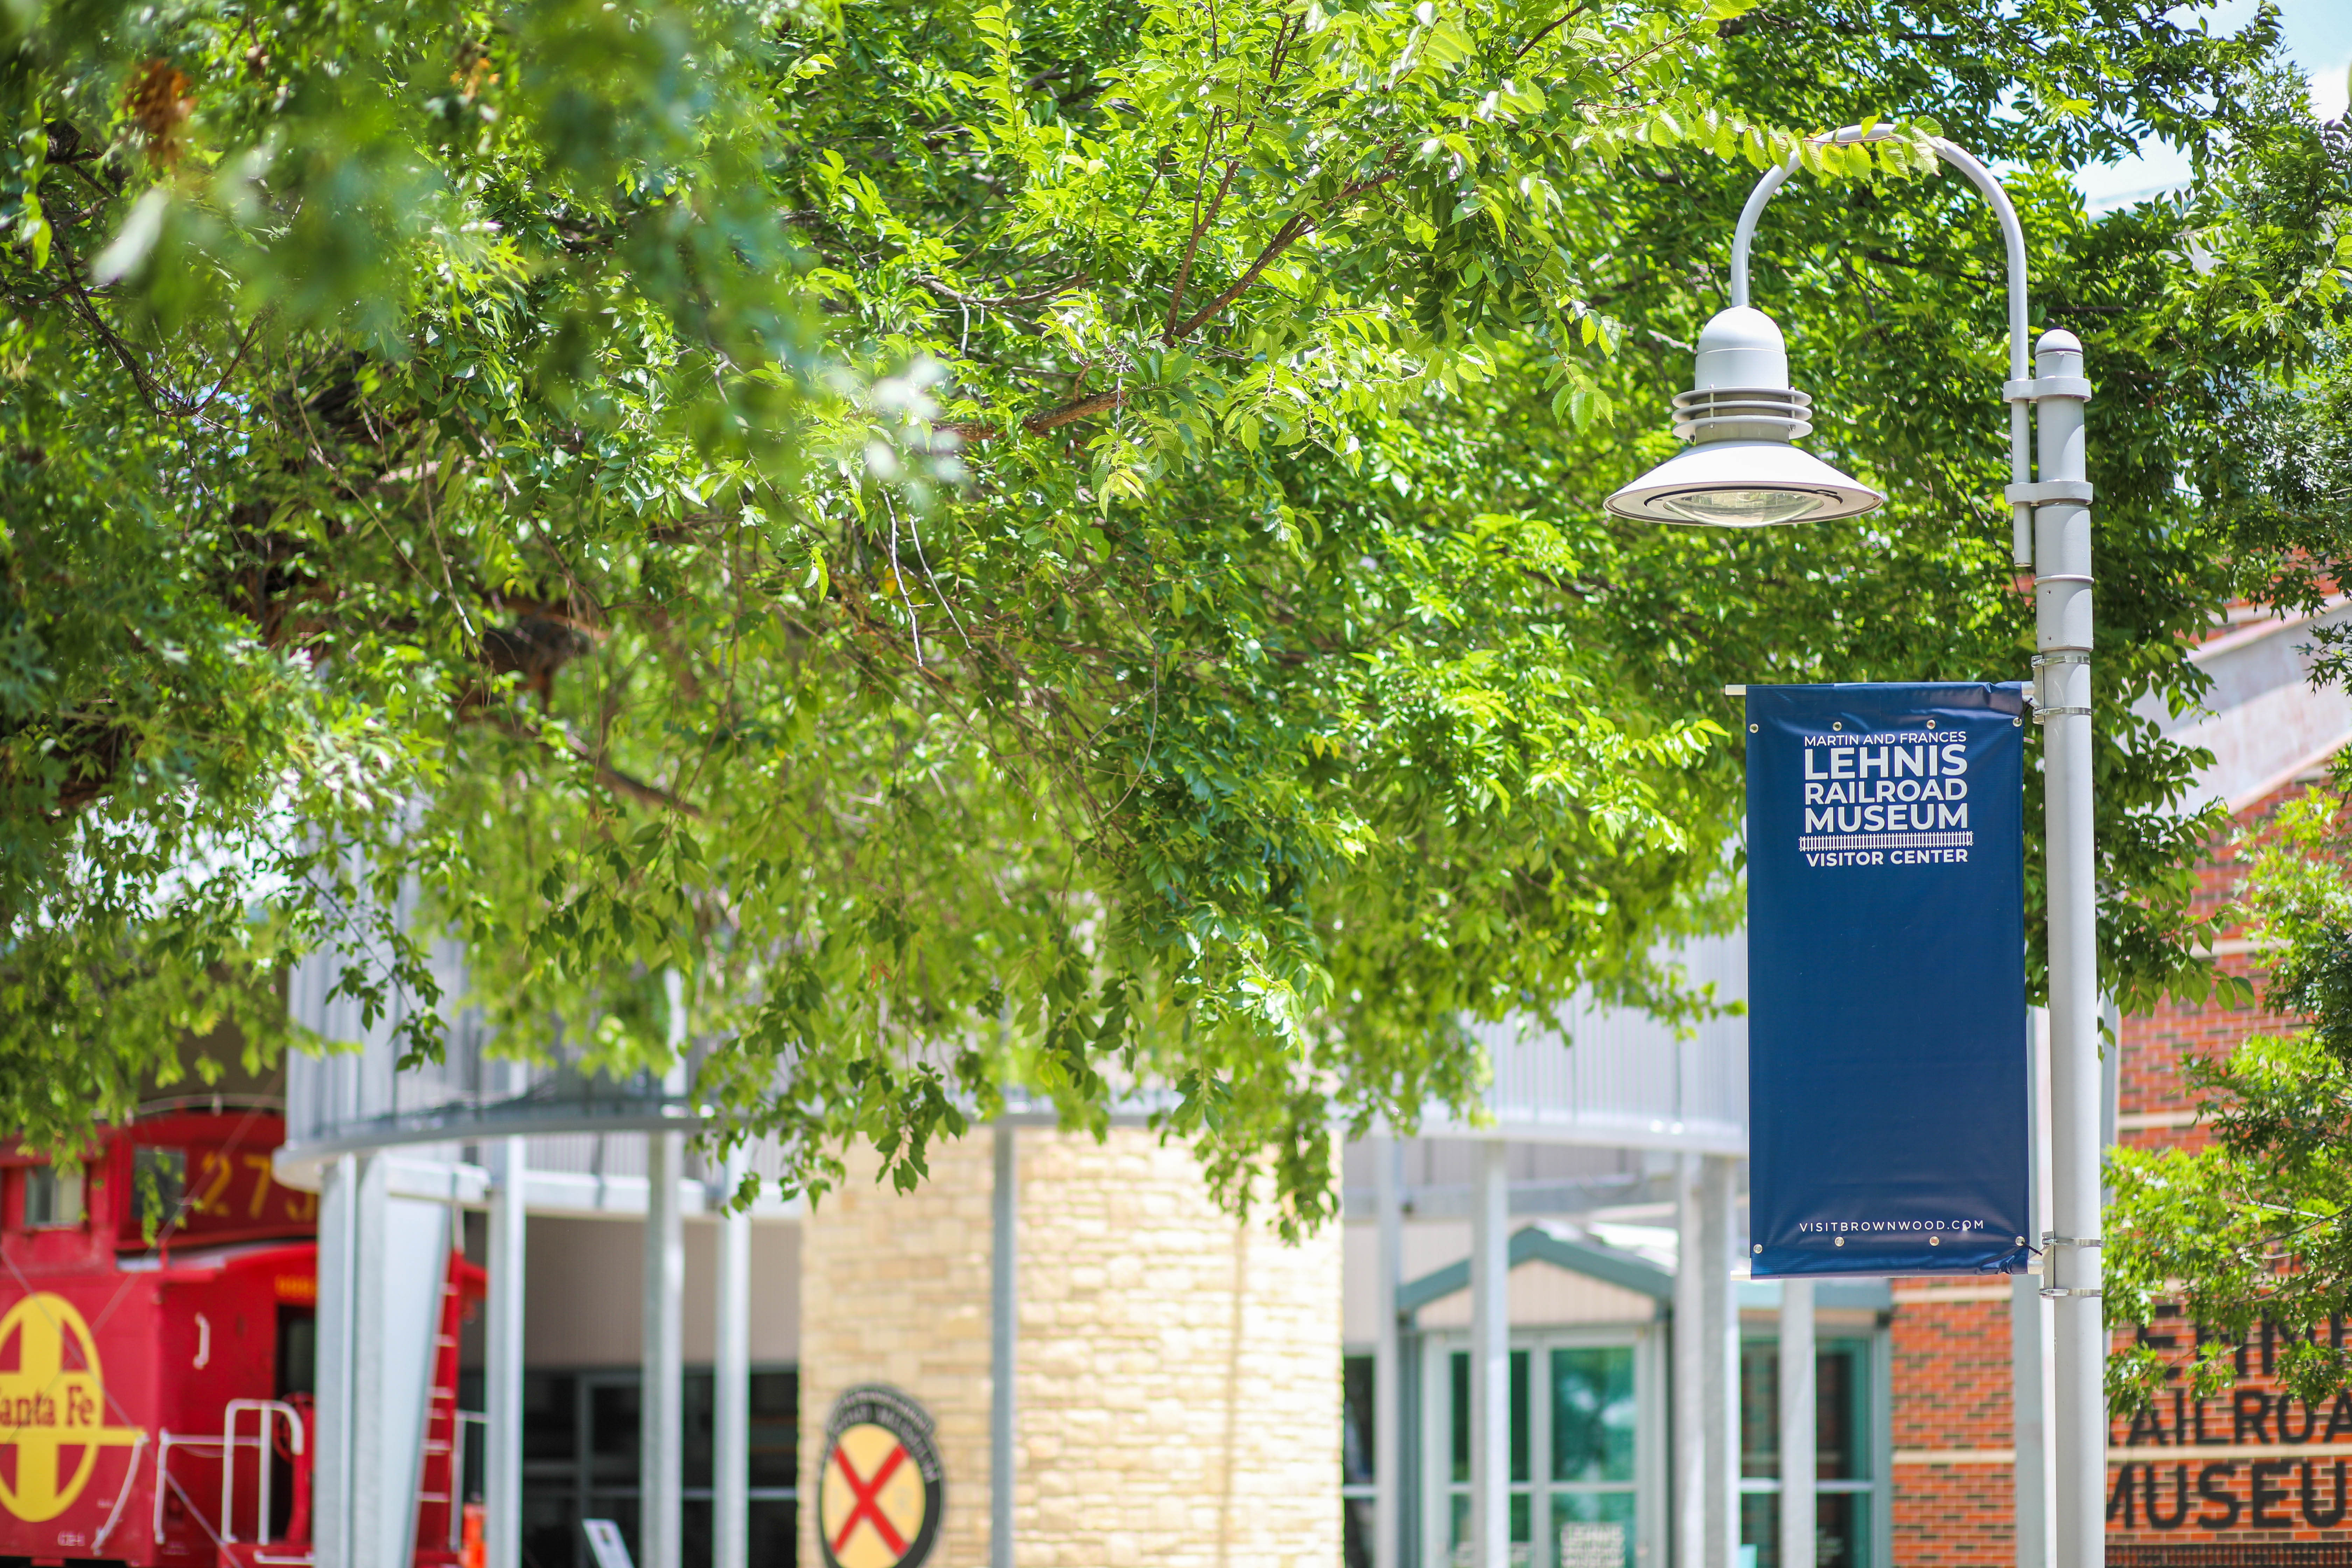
(1742, 472)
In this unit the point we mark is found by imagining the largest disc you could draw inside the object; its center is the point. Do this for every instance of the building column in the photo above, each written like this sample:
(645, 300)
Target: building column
(384, 1264)
(1388, 1372)
(1003, 1339)
(661, 1414)
(502, 1357)
(730, 1445)
(1719, 1340)
(1490, 1360)
(1690, 1510)
(1797, 1411)
(338, 1332)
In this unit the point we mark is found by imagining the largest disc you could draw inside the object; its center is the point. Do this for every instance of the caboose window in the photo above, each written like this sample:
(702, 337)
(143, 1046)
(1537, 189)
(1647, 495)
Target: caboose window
(52, 1198)
(159, 1178)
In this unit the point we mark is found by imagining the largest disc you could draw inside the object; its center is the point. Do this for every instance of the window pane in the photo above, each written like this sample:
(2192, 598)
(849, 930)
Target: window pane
(551, 1527)
(1759, 1409)
(1759, 1530)
(776, 1430)
(1522, 1429)
(614, 1439)
(52, 1198)
(1841, 1530)
(1841, 1416)
(1522, 1426)
(1355, 1527)
(700, 1424)
(1839, 1429)
(1356, 1413)
(1593, 1529)
(298, 1351)
(1522, 1529)
(550, 1417)
(158, 1177)
(1592, 1414)
(1461, 1391)
(772, 1533)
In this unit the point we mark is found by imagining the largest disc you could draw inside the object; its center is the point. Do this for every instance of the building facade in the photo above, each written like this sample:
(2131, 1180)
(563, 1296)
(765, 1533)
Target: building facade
(1530, 1342)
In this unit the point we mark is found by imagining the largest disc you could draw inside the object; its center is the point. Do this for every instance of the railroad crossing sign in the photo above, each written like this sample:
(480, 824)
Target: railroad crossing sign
(881, 1491)
(52, 1404)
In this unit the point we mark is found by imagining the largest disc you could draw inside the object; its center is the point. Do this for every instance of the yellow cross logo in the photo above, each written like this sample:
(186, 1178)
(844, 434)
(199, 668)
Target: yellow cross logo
(48, 1409)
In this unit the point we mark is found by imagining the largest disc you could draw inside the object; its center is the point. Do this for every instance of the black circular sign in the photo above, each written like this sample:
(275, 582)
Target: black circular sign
(881, 1491)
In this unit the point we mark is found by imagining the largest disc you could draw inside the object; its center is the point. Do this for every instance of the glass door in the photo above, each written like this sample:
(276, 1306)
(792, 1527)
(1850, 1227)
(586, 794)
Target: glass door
(1586, 1430)
(1845, 1489)
(1594, 1447)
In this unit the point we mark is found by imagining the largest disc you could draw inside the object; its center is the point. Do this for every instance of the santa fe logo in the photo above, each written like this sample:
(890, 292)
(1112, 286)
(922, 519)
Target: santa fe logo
(52, 1404)
(881, 1492)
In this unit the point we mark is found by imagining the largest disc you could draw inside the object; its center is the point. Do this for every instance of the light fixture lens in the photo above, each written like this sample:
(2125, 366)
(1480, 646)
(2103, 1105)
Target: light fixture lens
(1742, 507)
(1743, 483)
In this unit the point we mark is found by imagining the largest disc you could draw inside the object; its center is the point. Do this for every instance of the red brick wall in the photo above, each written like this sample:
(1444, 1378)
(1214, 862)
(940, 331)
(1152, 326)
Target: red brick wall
(1951, 1397)
(1950, 1394)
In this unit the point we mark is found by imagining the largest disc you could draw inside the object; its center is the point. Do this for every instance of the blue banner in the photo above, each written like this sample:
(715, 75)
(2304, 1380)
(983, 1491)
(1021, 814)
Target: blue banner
(1887, 1055)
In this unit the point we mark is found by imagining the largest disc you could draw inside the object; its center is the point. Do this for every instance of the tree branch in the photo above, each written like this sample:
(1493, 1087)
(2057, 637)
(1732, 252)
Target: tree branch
(971, 432)
(1294, 229)
(1550, 27)
(1297, 228)
(1000, 301)
(1192, 244)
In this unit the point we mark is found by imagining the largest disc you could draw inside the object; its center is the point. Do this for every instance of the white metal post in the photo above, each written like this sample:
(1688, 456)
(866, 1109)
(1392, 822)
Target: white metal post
(730, 1433)
(1388, 1378)
(1719, 1378)
(1490, 1361)
(1003, 1341)
(661, 1412)
(1797, 1409)
(2058, 505)
(1690, 1501)
(2028, 1337)
(338, 1332)
(2062, 592)
(503, 1357)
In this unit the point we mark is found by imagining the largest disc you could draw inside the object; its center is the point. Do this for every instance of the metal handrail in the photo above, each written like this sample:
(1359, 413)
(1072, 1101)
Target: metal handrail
(165, 1441)
(264, 1410)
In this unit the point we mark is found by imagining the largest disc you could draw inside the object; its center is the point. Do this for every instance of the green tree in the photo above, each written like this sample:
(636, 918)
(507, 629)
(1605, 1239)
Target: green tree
(2248, 1229)
(1056, 544)
(2251, 1227)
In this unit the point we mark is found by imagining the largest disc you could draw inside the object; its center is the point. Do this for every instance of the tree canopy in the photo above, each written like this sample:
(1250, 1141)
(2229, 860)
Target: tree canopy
(1053, 543)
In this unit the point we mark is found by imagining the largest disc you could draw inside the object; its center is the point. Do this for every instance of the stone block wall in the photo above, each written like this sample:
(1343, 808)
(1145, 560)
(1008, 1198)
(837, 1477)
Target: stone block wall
(1179, 1374)
(895, 1290)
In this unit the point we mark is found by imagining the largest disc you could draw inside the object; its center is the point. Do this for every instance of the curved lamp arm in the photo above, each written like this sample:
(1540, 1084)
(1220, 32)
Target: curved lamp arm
(2012, 233)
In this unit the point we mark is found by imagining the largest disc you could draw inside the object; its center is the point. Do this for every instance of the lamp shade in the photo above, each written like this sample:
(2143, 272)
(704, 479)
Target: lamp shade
(1740, 417)
(1743, 484)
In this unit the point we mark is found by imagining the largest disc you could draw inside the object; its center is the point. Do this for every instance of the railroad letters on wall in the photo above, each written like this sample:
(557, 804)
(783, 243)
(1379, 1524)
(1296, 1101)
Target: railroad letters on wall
(2254, 1462)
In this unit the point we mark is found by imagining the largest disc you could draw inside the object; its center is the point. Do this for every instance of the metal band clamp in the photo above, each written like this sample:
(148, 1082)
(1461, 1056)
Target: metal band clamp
(2053, 1291)
(2046, 492)
(2052, 1238)
(2041, 387)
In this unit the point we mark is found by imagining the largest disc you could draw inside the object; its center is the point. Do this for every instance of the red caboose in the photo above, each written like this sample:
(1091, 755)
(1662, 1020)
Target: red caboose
(157, 1350)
